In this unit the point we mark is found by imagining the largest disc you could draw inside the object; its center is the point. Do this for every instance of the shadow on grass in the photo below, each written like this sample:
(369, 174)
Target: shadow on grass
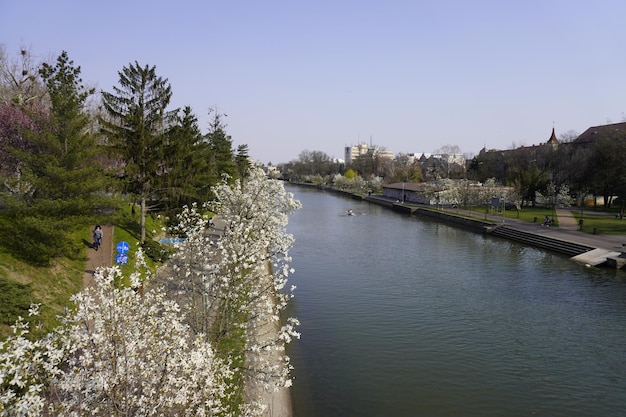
(87, 243)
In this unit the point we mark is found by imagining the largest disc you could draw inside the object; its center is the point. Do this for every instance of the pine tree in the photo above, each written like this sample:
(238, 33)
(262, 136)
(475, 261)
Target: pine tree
(243, 160)
(59, 165)
(221, 144)
(136, 126)
(188, 178)
(65, 164)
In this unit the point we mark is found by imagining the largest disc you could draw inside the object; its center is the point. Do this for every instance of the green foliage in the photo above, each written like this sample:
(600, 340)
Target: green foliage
(59, 173)
(155, 251)
(243, 160)
(222, 158)
(527, 182)
(606, 169)
(188, 177)
(136, 125)
(15, 300)
(409, 174)
(232, 347)
(63, 165)
(350, 174)
(127, 229)
(37, 239)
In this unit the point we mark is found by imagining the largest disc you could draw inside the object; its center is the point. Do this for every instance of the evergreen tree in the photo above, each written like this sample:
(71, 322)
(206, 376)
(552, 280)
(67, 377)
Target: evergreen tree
(65, 164)
(59, 164)
(188, 177)
(221, 144)
(136, 126)
(243, 160)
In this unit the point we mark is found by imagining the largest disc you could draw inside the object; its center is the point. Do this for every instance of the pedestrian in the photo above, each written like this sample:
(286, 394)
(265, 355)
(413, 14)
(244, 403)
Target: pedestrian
(97, 237)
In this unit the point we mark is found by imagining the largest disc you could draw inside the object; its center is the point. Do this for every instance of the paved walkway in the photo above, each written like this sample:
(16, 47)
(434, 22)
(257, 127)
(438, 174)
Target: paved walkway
(566, 219)
(101, 257)
(567, 230)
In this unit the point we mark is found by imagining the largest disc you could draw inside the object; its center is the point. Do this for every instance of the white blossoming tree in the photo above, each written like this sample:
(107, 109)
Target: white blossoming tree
(233, 284)
(120, 353)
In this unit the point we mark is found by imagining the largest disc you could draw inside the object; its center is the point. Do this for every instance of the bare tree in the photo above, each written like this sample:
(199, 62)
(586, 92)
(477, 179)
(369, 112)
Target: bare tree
(19, 79)
(568, 136)
(449, 150)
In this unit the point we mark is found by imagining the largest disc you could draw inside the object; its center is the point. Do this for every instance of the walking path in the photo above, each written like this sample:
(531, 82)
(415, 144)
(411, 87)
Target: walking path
(568, 230)
(98, 258)
(566, 219)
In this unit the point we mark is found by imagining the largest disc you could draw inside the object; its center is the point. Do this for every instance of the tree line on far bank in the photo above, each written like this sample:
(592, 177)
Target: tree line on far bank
(67, 152)
(592, 171)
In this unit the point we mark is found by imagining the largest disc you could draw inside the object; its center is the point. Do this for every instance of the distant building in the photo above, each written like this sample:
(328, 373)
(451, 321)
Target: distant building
(614, 130)
(354, 152)
(447, 193)
(409, 192)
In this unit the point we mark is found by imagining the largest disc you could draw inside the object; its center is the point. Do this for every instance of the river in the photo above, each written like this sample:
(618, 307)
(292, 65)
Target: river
(404, 316)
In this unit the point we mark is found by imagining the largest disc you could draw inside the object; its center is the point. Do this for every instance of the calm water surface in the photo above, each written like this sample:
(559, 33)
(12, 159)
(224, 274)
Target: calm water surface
(408, 317)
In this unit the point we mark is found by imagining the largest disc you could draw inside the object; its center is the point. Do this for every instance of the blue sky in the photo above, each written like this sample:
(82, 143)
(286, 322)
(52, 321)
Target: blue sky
(410, 76)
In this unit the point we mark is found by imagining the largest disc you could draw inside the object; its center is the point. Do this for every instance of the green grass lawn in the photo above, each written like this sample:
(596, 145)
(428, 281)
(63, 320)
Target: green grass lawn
(604, 223)
(594, 221)
(528, 214)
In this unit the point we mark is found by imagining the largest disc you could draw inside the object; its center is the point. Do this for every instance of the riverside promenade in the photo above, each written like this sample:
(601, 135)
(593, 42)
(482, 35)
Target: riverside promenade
(592, 249)
(589, 249)
(568, 230)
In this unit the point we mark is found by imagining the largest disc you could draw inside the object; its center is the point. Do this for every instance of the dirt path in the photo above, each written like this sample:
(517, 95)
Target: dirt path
(101, 257)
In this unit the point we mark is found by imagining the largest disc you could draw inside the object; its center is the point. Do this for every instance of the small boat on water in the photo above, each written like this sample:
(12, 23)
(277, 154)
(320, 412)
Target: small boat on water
(349, 212)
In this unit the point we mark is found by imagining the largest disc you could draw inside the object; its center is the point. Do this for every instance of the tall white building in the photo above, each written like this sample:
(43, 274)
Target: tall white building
(353, 152)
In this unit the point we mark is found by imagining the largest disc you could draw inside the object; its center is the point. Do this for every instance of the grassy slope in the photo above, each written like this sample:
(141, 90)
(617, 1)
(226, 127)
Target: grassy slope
(22, 284)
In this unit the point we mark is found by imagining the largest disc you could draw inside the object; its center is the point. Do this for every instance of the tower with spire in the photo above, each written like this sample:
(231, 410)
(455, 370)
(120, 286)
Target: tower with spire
(553, 141)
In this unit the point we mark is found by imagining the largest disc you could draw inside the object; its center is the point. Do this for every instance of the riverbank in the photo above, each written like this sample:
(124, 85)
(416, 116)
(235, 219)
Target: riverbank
(276, 399)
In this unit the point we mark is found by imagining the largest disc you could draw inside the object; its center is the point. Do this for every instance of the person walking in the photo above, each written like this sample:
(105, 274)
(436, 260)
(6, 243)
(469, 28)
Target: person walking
(97, 237)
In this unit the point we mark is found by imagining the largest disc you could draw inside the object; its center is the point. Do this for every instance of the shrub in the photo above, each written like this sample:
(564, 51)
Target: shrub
(155, 251)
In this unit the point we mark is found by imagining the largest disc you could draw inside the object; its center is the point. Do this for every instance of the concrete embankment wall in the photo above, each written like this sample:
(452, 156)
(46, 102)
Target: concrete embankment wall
(345, 193)
(474, 224)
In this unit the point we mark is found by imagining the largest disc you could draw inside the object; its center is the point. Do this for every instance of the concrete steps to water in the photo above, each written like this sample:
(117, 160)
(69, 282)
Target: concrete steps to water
(550, 243)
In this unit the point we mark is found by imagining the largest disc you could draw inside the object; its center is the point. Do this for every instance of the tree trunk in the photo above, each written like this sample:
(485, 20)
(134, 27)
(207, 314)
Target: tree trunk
(143, 219)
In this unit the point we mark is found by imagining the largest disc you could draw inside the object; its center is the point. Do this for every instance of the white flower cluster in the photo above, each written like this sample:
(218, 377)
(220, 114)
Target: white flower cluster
(118, 353)
(234, 284)
(153, 349)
